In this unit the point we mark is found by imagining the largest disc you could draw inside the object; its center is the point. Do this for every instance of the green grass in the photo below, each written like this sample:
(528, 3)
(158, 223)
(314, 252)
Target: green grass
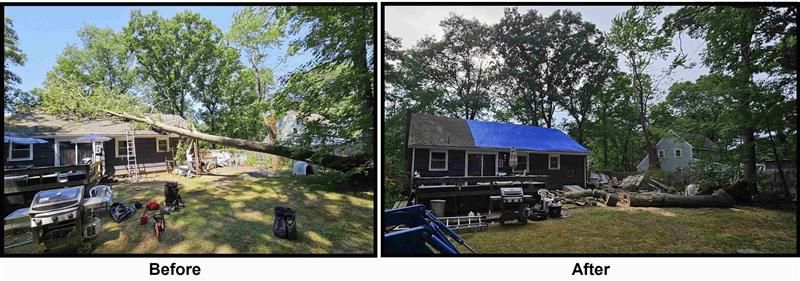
(228, 214)
(646, 230)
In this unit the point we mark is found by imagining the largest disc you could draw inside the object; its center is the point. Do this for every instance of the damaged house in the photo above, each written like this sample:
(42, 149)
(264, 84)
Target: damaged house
(441, 146)
(152, 149)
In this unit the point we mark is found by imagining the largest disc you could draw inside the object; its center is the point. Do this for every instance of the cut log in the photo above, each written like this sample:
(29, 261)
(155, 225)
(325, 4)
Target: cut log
(585, 193)
(611, 200)
(720, 199)
(340, 163)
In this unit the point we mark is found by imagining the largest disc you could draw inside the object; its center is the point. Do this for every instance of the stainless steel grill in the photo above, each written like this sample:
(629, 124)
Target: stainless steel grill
(59, 219)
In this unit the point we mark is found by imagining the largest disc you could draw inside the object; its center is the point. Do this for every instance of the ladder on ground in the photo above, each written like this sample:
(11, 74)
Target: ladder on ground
(130, 144)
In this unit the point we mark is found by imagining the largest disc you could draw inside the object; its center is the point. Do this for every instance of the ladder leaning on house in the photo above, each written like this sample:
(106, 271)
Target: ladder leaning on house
(130, 145)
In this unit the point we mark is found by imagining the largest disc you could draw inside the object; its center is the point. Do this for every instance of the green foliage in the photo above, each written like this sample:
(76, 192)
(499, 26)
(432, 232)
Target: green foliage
(12, 55)
(614, 123)
(333, 95)
(710, 176)
(568, 55)
(170, 54)
(69, 99)
(254, 30)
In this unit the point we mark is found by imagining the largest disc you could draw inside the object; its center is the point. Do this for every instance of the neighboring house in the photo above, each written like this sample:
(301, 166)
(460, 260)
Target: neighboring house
(676, 153)
(152, 148)
(441, 146)
(289, 126)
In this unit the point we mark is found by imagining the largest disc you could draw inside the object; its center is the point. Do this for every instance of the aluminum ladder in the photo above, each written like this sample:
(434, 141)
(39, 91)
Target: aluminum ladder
(130, 144)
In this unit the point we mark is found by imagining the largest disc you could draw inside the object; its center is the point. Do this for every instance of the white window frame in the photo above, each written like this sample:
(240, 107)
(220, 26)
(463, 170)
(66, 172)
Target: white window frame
(549, 157)
(11, 148)
(160, 139)
(676, 152)
(430, 160)
(527, 160)
(116, 148)
(661, 154)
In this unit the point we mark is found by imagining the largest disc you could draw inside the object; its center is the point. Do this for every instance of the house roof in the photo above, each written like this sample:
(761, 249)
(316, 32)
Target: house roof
(428, 130)
(40, 124)
(696, 141)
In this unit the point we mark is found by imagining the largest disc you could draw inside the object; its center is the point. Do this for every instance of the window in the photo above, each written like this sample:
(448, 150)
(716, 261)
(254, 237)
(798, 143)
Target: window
(660, 154)
(20, 152)
(678, 153)
(437, 161)
(162, 144)
(122, 148)
(522, 163)
(554, 162)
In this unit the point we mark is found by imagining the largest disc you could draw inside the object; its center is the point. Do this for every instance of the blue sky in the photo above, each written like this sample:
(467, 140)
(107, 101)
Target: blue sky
(45, 31)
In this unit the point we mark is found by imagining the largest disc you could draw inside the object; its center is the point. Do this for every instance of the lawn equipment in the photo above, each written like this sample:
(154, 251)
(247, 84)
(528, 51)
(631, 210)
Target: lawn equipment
(416, 230)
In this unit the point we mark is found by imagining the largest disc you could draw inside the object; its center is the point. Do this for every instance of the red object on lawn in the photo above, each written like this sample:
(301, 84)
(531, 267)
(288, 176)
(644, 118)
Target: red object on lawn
(143, 219)
(153, 205)
(159, 225)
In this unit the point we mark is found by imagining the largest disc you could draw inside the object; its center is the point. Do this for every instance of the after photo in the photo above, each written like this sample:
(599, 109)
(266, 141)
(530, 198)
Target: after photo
(189, 130)
(589, 130)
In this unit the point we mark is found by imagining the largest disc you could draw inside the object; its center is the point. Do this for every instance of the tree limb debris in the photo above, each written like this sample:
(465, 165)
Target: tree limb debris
(340, 163)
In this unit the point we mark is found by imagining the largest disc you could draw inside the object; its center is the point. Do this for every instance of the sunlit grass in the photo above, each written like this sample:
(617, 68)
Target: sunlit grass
(228, 214)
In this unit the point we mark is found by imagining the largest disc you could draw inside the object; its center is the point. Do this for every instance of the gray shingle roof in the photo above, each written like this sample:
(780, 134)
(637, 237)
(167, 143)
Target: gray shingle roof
(429, 130)
(40, 124)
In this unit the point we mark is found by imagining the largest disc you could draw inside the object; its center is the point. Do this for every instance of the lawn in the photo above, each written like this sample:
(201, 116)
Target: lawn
(646, 230)
(226, 213)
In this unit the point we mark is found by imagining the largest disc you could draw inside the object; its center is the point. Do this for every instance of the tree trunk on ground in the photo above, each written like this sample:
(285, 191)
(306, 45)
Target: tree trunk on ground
(586, 193)
(720, 199)
(339, 163)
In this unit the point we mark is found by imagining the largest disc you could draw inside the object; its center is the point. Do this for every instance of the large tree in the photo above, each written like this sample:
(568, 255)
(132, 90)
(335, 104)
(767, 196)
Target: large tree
(640, 43)
(333, 93)
(742, 42)
(103, 60)
(170, 53)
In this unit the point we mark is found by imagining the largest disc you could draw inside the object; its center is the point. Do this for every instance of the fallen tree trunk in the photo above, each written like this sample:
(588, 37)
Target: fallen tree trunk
(586, 193)
(719, 199)
(340, 163)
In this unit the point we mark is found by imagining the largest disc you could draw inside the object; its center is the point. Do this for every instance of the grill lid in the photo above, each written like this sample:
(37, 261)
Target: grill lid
(511, 191)
(56, 198)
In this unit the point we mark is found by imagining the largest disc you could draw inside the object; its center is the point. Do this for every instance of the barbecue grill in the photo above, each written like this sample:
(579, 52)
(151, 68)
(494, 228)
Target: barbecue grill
(59, 219)
(514, 204)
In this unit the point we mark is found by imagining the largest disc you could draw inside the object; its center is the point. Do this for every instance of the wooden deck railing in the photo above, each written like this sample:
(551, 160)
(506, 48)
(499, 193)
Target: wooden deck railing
(42, 178)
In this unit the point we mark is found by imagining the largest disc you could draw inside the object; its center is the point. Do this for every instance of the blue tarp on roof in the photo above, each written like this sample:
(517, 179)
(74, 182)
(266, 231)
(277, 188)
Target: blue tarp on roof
(502, 135)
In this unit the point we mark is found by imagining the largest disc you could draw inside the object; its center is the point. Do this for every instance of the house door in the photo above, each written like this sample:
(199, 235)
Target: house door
(474, 164)
(481, 164)
(66, 152)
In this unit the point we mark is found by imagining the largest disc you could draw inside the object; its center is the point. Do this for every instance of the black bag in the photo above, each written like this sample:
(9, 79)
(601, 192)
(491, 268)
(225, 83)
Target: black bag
(285, 225)
(171, 196)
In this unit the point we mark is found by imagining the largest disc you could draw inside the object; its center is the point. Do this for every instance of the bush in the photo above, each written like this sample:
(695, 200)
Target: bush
(710, 176)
